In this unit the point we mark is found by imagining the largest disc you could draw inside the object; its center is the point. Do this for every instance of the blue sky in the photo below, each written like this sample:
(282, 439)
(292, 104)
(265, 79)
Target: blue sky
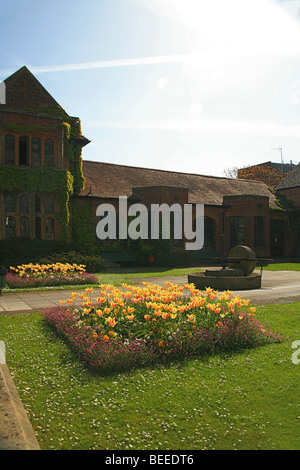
(185, 85)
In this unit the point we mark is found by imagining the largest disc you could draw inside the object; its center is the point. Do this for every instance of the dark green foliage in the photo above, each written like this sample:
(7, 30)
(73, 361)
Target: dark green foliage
(23, 251)
(93, 263)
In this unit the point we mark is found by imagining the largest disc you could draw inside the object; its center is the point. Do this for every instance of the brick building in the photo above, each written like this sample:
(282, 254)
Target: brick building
(48, 192)
(40, 161)
(289, 229)
(235, 210)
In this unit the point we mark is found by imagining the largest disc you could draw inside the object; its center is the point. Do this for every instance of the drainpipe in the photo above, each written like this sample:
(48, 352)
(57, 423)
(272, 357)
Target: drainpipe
(223, 235)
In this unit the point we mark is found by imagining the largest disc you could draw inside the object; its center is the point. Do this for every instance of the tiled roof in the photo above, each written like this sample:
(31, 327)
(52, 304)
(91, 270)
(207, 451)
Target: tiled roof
(291, 180)
(107, 180)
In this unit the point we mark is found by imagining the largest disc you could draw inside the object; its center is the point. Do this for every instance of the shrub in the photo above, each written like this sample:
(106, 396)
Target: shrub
(126, 328)
(93, 263)
(17, 251)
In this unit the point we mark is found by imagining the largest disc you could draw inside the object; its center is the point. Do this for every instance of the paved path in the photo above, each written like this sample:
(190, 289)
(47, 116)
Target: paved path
(277, 287)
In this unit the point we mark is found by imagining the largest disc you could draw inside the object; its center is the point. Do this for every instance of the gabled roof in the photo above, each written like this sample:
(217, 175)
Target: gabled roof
(107, 180)
(291, 180)
(24, 93)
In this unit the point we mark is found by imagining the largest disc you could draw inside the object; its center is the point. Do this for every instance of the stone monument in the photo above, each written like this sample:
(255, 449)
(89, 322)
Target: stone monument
(235, 274)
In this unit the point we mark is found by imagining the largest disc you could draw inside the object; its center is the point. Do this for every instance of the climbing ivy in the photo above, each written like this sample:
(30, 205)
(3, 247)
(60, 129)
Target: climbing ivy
(73, 152)
(72, 129)
(51, 179)
(24, 128)
(83, 227)
(44, 180)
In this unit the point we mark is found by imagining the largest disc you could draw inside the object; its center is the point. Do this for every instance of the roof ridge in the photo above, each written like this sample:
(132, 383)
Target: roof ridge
(171, 171)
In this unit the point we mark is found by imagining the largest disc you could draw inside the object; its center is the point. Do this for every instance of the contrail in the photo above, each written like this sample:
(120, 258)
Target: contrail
(167, 59)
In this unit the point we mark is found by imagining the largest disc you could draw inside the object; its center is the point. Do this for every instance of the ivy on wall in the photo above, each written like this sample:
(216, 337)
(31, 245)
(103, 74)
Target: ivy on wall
(72, 129)
(83, 227)
(73, 152)
(41, 180)
(24, 128)
(44, 179)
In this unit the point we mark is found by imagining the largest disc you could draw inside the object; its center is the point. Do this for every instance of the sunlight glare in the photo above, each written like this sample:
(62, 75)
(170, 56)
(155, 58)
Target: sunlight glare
(252, 25)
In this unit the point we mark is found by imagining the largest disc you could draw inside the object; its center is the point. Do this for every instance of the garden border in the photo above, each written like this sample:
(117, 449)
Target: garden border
(16, 432)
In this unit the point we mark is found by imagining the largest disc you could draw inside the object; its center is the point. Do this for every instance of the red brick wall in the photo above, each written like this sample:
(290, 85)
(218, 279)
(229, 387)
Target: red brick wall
(249, 207)
(23, 90)
(293, 194)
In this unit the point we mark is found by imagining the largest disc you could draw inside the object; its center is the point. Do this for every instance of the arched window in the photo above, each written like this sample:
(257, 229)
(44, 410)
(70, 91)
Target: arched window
(49, 229)
(24, 203)
(9, 149)
(24, 227)
(38, 228)
(35, 152)
(10, 203)
(10, 227)
(49, 205)
(49, 153)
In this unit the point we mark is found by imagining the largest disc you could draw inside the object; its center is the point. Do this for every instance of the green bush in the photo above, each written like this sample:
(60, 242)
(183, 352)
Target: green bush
(93, 263)
(23, 250)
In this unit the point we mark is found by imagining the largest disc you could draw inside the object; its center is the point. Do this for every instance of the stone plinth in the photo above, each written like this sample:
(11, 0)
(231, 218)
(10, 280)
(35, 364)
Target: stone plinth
(225, 280)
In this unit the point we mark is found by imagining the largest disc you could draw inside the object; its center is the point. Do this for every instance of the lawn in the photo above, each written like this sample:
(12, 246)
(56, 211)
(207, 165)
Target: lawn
(247, 400)
(283, 267)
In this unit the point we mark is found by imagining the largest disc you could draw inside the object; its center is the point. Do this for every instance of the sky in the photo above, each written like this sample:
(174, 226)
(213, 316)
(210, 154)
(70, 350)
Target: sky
(197, 86)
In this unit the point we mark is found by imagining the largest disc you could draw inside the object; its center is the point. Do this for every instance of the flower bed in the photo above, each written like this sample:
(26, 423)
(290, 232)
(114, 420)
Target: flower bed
(56, 274)
(118, 329)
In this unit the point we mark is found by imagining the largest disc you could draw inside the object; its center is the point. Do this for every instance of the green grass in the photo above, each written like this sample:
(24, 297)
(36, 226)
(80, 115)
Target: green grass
(247, 400)
(283, 267)
(117, 278)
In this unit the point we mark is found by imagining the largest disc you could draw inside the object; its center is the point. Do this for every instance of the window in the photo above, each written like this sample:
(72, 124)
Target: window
(28, 153)
(259, 238)
(24, 203)
(49, 205)
(49, 229)
(24, 227)
(10, 227)
(37, 204)
(10, 203)
(237, 230)
(38, 228)
(49, 153)
(23, 151)
(35, 152)
(9, 150)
